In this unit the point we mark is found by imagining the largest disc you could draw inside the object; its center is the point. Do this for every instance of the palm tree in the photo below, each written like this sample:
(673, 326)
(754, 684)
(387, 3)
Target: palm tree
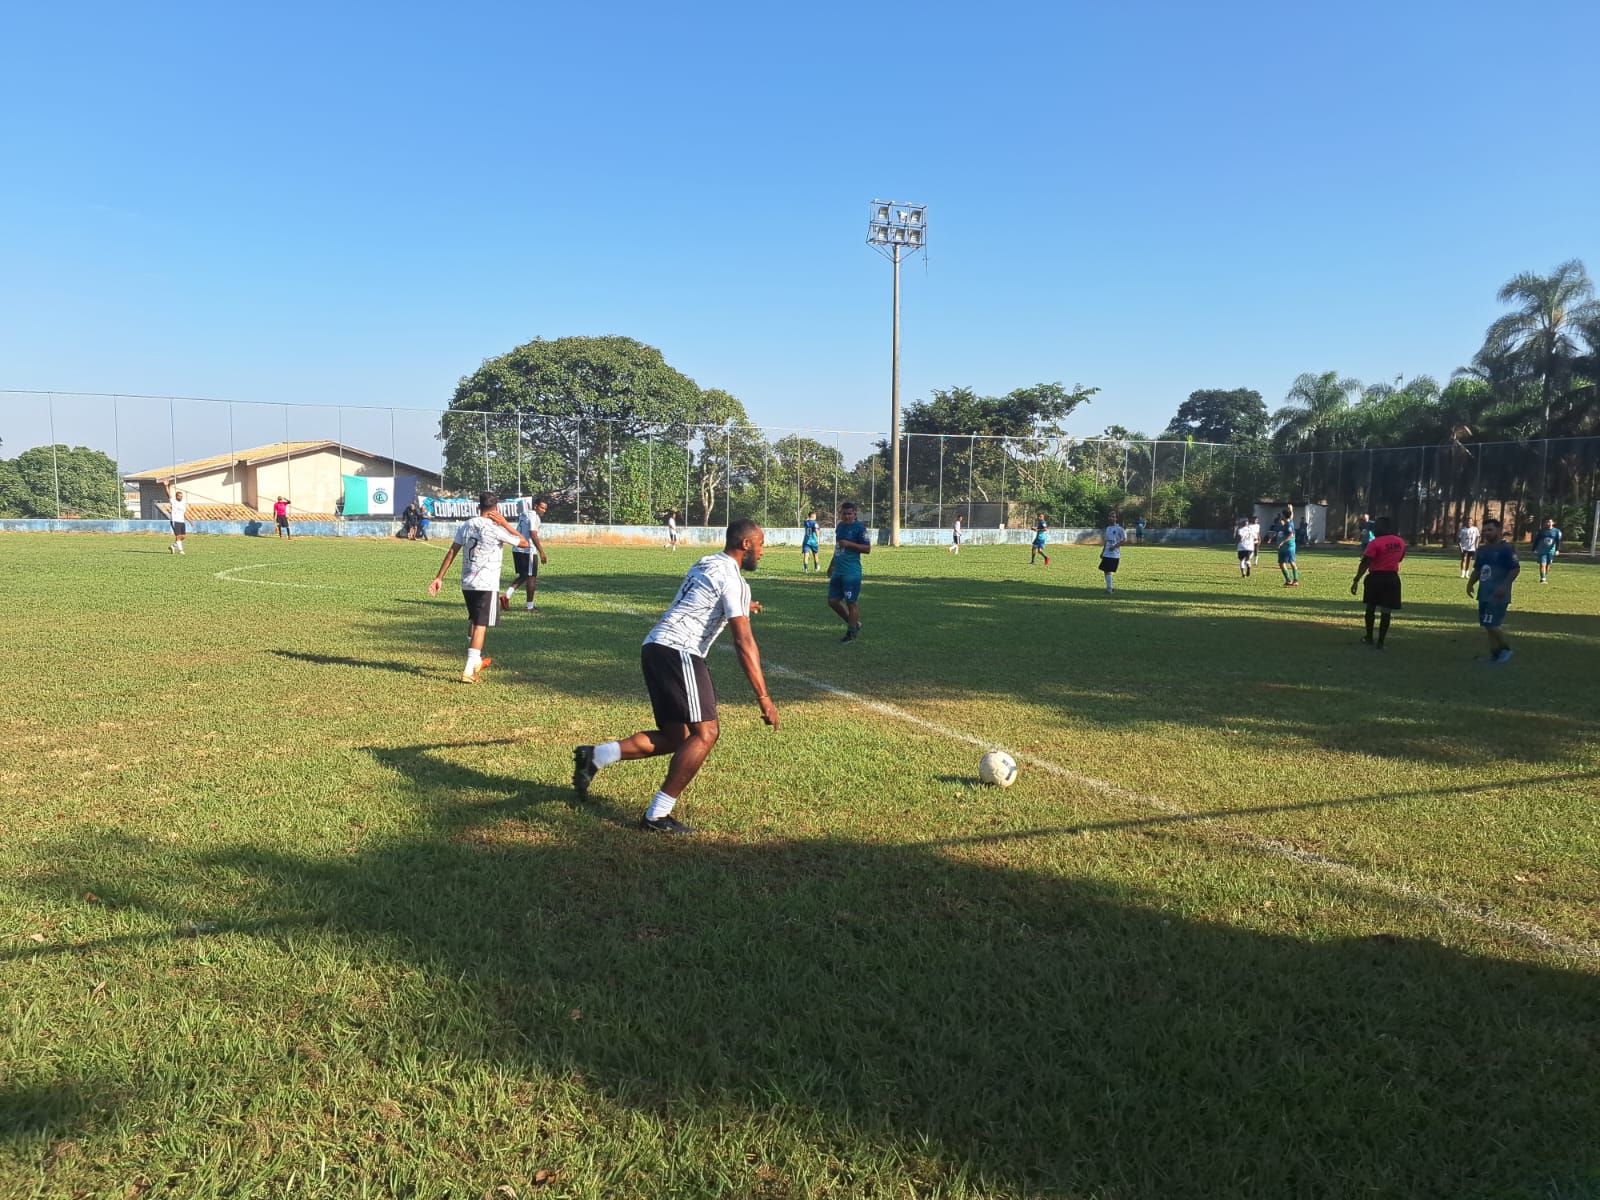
(1538, 336)
(1314, 412)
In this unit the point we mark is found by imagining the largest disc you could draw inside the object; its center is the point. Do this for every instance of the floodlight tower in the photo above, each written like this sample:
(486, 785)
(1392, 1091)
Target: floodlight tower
(895, 228)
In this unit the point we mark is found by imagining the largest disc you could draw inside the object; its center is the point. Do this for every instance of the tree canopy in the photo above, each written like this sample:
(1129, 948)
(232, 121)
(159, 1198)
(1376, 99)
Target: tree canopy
(1215, 415)
(89, 483)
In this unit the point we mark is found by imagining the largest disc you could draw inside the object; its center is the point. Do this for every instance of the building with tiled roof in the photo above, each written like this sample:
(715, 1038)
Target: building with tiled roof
(310, 474)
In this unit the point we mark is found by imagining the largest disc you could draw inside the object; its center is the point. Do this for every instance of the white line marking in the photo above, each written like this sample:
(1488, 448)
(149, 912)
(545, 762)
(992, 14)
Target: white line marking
(228, 576)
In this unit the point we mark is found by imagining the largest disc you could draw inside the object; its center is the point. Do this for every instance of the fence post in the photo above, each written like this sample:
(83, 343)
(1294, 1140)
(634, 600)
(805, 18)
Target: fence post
(55, 466)
(611, 512)
(116, 458)
(486, 484)
(972, 454)
(872, 504)
(577, 504)
(519, 452)
(650, 474)
(687, 433)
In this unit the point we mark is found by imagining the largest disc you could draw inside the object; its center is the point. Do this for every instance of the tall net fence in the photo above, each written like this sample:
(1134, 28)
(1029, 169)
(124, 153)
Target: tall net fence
(83, 456)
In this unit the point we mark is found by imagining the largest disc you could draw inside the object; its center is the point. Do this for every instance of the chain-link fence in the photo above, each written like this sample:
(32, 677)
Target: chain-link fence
(83, 455)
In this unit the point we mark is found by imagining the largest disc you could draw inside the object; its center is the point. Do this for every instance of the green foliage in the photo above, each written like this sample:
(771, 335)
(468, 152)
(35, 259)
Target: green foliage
(89, 485)
(561, 410)
(1215, 415)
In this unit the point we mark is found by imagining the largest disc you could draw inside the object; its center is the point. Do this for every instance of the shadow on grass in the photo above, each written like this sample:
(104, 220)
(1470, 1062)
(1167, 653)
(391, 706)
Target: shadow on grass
(342, 660)
(1034, 1033)
(35, 1108)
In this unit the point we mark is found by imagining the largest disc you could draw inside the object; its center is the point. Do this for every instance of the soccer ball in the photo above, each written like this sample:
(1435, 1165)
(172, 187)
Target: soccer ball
(999, 768)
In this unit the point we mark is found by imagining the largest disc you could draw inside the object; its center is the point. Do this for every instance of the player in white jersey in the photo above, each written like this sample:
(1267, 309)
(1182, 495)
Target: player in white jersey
(955, 536)
(1116, 537)
(526, 562)
(714, 595)
(1247, 537)
(178, 515)
(1467, 539)
(481, 543)
(672, 529)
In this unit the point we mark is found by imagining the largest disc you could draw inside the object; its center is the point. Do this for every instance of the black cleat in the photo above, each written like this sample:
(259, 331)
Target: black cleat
(851, 633)
(666, 824)
(583, 769)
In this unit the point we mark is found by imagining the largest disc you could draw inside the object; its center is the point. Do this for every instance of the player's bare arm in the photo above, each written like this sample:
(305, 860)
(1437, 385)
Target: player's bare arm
(744, 645)
(437, 581)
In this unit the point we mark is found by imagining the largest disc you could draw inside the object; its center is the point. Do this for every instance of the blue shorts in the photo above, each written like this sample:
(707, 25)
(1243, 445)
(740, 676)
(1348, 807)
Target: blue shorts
(809, 546)
(1492, 614)
(1038, 543)
(1545, 559)
(844, 588)
(1286, 554)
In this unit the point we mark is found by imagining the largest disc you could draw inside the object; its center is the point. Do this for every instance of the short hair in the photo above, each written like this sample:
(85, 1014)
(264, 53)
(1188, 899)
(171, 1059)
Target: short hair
(1383, 526)
(488, 500)
(1495, 521)
(538, 500)
(737, 532)
(849, 504)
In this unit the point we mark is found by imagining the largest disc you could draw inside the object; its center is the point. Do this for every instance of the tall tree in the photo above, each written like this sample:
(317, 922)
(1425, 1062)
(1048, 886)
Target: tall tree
(1214, 415)
(68, 481)
(558, 416)
(1541, 335)
(1314, 412)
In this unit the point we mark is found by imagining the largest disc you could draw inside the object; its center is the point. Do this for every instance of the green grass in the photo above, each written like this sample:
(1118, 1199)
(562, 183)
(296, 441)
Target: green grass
(290, 912)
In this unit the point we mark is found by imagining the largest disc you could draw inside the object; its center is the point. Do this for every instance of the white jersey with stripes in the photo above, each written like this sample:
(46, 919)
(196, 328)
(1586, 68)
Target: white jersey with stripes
(713, 592)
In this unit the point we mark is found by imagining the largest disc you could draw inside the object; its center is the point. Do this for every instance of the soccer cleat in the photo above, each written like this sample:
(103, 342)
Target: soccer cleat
(530, 607)
(483, 663)
(583, 769)
(666, 824)
(1502, 657)
(850, 633)
(468, 677)
(1047, 560)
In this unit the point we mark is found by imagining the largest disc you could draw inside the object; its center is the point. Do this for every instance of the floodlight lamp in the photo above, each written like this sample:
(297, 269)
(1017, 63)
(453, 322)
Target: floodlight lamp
(916, 237)
(883, 212)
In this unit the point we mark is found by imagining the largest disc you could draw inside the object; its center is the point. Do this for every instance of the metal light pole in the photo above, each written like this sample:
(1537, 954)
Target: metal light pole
(892, 229)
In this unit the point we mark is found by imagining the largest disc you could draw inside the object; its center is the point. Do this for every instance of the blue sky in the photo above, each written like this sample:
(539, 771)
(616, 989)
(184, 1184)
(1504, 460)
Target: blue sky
(359, 203)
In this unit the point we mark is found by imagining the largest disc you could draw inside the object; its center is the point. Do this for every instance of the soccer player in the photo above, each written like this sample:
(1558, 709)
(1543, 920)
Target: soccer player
(714, 595)
(850, 542)
(1283, 529)
(1546, 546)
(1380, 563)
(1364, 531)
(1039, 528)
(1497, 569)
(1467, 539)
(1246, 535)
(480, 542)
(810, 560)
(526, 562)
(955, 536)
(280, 517)
(177, 516)
(1116, 537)
(1138, 531)
(1255, 554)
(672, 529)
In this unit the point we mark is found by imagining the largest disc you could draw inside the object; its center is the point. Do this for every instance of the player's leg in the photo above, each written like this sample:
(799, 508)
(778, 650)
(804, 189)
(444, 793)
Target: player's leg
(1372, 616)
(532, 581)
(482, 608)
(836, 600)
(1384, 618)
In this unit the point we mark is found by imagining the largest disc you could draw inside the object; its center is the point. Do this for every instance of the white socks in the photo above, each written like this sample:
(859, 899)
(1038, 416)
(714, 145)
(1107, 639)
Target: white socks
(608, 753)
(660, 806)
(474, 658)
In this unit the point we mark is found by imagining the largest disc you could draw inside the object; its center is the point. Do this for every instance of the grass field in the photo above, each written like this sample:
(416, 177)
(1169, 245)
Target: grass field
(290, 912)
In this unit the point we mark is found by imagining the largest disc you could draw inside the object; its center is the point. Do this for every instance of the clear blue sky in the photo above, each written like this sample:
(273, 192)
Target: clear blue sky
(361, 202)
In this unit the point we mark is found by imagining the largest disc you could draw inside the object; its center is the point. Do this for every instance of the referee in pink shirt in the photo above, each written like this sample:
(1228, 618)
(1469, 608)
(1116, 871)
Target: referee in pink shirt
(1380, 563)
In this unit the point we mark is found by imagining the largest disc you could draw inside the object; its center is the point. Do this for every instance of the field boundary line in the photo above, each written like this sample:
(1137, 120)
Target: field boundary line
(228, 575)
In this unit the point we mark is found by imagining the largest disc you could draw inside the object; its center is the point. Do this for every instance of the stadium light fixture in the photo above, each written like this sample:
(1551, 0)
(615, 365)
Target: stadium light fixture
(893, 229)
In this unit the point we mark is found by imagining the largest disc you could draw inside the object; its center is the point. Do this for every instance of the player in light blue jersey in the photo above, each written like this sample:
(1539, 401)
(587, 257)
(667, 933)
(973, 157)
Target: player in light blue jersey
(1546, 546)
(809, 558)
(850, 542)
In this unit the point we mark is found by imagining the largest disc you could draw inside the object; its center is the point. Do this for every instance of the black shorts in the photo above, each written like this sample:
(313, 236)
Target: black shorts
(1382, 590)
(483, 608)
(283, 522)
(526, 563)
(1244, 554)
(1468, 555)
(1109, 565)
(679, 686)
(179, 528)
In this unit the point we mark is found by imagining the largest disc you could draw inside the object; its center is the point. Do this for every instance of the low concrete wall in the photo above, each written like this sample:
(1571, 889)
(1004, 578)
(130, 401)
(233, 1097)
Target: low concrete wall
(697, 536)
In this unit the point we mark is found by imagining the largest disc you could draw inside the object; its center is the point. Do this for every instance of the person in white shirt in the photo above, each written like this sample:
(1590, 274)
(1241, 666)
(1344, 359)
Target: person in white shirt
(672, 529)
(714, 595)
(1116, 537)
(955, 537)
(526, 562)
(1467, 538)
(481, 543)
(177, 515)
(1255, 538)
(1247, 537)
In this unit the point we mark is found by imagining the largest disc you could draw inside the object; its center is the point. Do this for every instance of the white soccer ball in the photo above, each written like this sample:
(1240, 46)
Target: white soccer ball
(999, 768)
